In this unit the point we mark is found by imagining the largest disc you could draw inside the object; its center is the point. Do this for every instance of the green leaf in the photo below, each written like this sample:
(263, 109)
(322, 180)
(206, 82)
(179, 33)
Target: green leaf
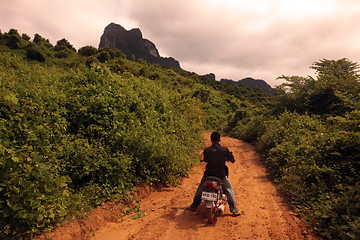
(39, 217)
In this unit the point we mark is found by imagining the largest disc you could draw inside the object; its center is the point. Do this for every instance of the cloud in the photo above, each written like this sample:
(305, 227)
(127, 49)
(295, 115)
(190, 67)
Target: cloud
(234, 39)
(242, 41)
(81, 22)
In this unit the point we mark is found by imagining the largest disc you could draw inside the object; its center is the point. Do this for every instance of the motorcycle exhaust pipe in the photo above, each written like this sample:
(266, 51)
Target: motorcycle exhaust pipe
(221, 209)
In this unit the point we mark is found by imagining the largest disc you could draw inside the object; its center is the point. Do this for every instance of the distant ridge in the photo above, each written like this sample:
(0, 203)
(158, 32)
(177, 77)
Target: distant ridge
(257, 83)
(132, 43)
(253, 83)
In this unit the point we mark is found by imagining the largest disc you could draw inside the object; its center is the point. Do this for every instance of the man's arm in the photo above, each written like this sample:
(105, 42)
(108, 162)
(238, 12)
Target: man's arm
(204, 156)
(229, 156)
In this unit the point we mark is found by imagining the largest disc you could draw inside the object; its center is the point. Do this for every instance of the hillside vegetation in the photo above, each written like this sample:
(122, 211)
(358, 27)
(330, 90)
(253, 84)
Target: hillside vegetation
(310, 140)
(80, 127)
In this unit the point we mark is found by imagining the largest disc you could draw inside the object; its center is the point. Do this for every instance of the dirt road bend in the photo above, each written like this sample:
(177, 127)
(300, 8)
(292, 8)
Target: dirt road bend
(264, 214)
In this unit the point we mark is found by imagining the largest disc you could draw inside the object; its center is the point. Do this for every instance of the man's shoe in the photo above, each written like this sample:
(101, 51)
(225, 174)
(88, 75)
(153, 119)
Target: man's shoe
(191, 209)
(235, 212)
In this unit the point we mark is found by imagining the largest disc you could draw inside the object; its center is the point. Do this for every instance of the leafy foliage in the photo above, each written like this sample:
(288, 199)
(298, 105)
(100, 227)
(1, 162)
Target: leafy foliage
(87, 51)
(34, 53)
(311, 145)
(85, 135)
(334, 93)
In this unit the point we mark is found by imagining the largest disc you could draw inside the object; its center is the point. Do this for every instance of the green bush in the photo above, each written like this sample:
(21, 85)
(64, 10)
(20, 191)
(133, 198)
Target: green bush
(219, 108)
(315, 165)
(340, 217)
(33, 53)
(64, 53)
(32, 195)
(103, 56)
(248, 126)
(72, 139)
(13, 41)
(87, 51)
(64, 44)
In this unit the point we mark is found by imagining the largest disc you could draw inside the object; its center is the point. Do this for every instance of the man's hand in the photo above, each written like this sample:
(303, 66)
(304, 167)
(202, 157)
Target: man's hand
(230, 157)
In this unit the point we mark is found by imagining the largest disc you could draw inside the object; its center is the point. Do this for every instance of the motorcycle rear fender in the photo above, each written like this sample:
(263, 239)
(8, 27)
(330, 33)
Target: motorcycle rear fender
(209, 204)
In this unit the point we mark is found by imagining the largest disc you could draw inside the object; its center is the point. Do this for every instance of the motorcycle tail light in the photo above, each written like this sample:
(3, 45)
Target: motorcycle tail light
(210, 185)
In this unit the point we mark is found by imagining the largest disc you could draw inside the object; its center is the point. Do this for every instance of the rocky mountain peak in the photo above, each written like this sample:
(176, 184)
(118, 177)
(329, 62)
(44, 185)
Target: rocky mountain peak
(132, 43)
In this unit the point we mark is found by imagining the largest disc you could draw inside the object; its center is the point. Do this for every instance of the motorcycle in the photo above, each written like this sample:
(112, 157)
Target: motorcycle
(214, 197)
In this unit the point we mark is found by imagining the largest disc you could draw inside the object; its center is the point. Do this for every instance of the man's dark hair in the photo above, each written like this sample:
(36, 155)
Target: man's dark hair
(215, 137)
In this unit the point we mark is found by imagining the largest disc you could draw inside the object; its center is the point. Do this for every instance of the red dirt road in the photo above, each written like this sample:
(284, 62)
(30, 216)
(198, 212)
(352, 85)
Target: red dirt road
(264, 213)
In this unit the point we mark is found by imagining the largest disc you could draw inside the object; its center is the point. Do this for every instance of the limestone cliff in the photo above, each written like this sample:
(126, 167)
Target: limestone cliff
(132, 43)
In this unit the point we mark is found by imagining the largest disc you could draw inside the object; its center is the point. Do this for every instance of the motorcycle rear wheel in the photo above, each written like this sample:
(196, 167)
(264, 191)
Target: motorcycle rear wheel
(210, 213)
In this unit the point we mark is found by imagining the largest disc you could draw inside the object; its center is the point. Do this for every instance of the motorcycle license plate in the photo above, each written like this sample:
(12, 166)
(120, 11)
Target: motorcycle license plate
(209, 196)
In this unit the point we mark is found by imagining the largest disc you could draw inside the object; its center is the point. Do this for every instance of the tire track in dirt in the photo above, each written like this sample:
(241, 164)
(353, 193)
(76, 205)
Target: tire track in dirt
(264, 213)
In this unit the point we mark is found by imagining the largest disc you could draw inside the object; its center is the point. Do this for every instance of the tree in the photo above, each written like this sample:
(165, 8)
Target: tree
(13, 42)
(13, 39)
(87, 51)
(13, 32)
(38, 39)
(25, 37)
(33, 53)
(64, 44)
(114, 52)
(335, 91)
(103, 56)
(342, 68)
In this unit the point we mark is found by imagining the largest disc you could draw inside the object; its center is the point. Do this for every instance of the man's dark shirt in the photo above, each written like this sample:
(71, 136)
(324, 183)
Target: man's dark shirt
(215, 156)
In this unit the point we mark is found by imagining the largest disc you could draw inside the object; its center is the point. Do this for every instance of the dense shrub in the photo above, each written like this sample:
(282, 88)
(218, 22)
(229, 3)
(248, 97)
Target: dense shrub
(103, 56)
(34, 53)
(311, 146)
(114, 52)
(39, 40)
(32, 194)
(64, 44)
(87, 51)
(13, 41)
(64, 53)
(72, 139)
(219, 108)
(315, 166)
(248, 125)
(25, 37)
(310, 141)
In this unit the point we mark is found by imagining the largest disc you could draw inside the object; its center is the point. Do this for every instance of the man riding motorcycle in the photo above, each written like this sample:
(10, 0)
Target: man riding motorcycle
(215, 157)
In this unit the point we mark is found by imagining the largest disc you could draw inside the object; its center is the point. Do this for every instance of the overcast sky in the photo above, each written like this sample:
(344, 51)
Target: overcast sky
(233, 39)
